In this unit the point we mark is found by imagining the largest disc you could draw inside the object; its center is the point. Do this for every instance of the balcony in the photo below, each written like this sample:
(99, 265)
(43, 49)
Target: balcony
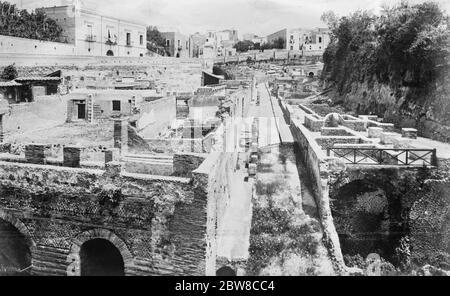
(110, 42)
(91, 38)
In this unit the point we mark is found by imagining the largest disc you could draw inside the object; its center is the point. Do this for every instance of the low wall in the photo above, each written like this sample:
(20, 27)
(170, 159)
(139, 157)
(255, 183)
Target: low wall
(15, 45)
(216, 173)
(157, 223)
(184, 164)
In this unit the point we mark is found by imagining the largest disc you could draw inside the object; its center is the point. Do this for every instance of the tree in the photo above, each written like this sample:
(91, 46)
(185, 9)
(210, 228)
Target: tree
(154, 36)
(9, 73)
(21, 23)
(279, 43)
(244, 46)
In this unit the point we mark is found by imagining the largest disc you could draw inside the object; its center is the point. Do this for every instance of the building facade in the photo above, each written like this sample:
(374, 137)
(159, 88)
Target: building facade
(304, 40)
(97, 35)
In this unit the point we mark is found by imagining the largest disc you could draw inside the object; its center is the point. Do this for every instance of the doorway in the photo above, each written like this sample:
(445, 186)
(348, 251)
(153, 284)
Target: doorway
(99, 257)
(81, 111)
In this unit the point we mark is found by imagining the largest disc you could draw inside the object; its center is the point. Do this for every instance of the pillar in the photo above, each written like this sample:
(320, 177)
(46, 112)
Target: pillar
(1, 128)
(121, 134)
(34, 153)
(111, 155)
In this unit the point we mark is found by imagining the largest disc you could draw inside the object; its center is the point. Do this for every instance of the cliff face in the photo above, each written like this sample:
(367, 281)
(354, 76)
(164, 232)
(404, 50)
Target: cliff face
(426, 109)
(395, 65)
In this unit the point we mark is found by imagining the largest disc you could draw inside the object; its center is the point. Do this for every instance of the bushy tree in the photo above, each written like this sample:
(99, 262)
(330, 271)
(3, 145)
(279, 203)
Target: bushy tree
(404, 46)
(21, 23)
(9, 73)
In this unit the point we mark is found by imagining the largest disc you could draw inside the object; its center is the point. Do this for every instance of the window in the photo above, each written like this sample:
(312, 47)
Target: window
(320, 39)
(167, 42)
(179, 43)
(141, 39)
(128, 39)
(116, 105)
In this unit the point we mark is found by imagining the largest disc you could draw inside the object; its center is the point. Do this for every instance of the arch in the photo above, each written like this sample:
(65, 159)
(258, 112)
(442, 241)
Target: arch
(225, 271)
(19, 226)
(311, 74)
(110, 53)
(99, 257)
(74, 256)
(15, 245)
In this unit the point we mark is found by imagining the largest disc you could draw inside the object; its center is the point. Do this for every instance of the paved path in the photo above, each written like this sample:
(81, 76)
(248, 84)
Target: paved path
(233, 238)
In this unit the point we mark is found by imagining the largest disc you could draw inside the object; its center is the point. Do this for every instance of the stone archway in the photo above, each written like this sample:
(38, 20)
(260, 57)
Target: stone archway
(110, 53)
(361, 212)
(15, 246)
(74, 258)
(99, 257)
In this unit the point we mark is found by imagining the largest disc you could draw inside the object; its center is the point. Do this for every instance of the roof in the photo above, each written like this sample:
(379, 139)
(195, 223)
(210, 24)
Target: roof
(9, 83)
(38, 78)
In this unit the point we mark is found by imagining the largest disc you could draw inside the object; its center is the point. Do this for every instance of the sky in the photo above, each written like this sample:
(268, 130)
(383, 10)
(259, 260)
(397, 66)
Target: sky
(260, 17)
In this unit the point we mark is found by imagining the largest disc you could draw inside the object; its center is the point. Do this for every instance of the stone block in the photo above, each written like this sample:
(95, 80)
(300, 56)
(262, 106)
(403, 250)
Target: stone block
(375, 132)
(388, 138)
(400, 143)
(34, 153)
(410, 133)
(252, 169)
(71, 156)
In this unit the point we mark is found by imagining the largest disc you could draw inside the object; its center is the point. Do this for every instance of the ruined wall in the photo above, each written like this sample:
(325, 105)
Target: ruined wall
(317, 167)
(216, 175)
(15, 45)
(156, 116)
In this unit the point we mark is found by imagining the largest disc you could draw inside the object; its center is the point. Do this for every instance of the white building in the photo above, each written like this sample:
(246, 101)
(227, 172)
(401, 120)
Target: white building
(305, 40)
(98, 35)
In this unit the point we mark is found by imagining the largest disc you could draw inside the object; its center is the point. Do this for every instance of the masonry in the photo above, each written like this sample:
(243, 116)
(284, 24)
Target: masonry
(367, 207)
(157, 223)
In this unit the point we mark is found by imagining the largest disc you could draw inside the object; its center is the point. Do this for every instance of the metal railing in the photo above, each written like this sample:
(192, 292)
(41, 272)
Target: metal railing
(385, 156)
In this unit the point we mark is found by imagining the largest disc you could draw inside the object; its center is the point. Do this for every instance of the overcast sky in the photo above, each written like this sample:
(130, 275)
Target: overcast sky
(247, 16)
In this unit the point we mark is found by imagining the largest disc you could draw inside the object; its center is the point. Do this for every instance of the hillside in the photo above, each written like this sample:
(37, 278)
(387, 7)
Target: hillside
(395, 65)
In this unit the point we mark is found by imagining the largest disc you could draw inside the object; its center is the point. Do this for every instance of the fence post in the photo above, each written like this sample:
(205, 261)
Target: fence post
(434, 160)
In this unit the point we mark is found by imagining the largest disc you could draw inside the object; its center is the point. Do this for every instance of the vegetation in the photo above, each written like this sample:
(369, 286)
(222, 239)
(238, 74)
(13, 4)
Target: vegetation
(276, 44)
(34, 25)
(407, 45)
(244, 46)
(9, 73)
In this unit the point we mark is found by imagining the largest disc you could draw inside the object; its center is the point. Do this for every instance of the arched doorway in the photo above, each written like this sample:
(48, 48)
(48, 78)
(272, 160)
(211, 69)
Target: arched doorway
(110, 53)
(311, 74)
(15, 255)
(99, 257)
(225, 271)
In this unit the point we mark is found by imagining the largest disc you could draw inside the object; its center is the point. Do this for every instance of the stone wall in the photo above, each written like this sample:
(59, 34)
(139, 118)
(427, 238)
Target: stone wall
(156, 117)
(317, 165)
(157, 223)
(184, 164)
(215, 173)
(44, 112)
(15, 45)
